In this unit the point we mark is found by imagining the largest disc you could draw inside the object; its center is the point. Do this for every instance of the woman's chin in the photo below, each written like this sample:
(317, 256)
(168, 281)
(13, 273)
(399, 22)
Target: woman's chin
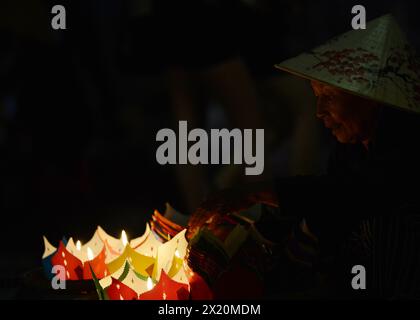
(346, 140)
(342, 137)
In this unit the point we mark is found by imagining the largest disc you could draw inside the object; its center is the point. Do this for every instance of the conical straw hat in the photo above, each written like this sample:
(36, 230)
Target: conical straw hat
(376, 63)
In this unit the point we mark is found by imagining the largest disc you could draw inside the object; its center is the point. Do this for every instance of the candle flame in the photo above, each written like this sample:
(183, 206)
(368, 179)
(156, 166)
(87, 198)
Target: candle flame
(177, 254)
(78, 245)
(149, 283)
(124, 238)
(89, 254)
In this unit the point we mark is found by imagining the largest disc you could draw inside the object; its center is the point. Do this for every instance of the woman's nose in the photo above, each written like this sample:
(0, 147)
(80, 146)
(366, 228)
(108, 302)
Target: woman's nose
(321, 110)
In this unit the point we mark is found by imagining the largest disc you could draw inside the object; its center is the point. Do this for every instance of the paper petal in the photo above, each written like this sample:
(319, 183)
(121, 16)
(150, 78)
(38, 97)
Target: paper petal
(119, 291)
(95, 244)
(114, 246)
(71, 247)
(166, 289)
(138, 241)
(97, 265)
(150, 246)
(134, 282)
(72, 265)
(49, 249)
(139, 262)
(102, 294)
(166, 253)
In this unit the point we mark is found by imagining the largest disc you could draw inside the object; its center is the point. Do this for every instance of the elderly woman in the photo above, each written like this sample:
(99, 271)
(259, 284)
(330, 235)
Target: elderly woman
(367, 88)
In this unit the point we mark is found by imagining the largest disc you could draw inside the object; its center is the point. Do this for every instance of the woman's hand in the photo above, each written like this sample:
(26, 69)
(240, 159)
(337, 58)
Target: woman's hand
(226, 201)
(217, 205)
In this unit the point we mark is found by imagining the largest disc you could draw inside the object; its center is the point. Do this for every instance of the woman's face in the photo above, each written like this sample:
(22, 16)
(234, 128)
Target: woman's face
(350, 118)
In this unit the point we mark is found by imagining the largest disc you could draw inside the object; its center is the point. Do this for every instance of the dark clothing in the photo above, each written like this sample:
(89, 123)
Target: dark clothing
(360, 185)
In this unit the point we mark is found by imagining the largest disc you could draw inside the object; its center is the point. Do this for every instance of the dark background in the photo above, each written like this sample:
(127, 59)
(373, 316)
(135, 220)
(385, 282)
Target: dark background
(80, 108)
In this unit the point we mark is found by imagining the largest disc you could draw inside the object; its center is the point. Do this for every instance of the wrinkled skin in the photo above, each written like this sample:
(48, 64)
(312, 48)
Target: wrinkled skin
(351, 118)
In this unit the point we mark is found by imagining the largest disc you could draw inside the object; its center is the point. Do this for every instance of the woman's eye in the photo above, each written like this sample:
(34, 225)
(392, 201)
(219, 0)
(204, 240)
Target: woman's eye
(327, 97)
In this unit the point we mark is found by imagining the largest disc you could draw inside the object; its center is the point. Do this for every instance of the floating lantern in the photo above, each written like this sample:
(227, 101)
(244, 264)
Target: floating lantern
(166, 255)
(163, 227)
(129, 285)
(150, 266)
(73, 266)
(92, 253)
(134, 243)
(77, 259)
(143, 265)
(113, 246)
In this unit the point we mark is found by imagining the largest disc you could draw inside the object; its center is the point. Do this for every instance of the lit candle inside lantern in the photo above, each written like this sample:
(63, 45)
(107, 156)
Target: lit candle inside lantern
(148, 245)
(72, 264)
(96, 263)
(124, 239)
(114, 246)
(166, 289)
(49, 251)
(86, 264)
(149, 283)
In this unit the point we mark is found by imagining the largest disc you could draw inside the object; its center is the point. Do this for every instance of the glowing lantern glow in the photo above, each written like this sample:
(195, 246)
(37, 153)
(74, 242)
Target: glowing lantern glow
(89, 254)
(124, 238)
(149, 283)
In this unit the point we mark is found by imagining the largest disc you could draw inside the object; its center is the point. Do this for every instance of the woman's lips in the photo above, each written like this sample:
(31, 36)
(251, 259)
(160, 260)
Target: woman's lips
(331, 125)
(334, 127)
(334, 130)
